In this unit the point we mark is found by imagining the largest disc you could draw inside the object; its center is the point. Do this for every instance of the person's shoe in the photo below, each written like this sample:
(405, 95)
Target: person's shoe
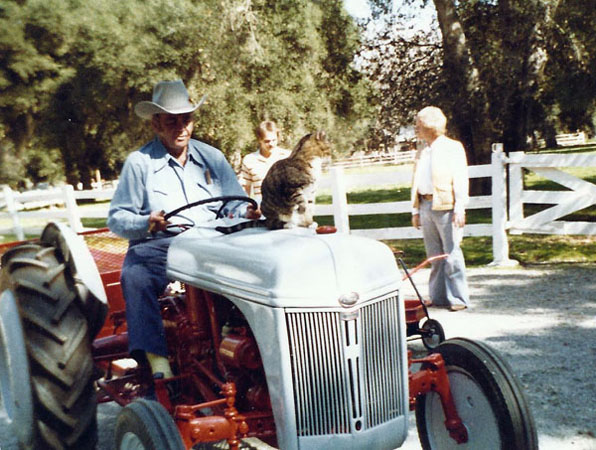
(457, 308)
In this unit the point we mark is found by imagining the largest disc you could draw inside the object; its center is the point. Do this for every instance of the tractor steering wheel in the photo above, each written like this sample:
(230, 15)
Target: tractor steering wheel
(225, 199)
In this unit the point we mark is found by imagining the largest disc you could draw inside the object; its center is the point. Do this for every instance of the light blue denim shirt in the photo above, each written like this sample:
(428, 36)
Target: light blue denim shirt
(152, 180)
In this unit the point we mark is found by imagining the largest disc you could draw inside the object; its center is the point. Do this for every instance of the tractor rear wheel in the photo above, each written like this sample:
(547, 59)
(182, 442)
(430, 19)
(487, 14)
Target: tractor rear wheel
(487, 397)
(59, 371)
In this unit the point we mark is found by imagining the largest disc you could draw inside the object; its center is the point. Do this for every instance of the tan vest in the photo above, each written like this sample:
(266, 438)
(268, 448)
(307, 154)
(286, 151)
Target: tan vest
(448, 161)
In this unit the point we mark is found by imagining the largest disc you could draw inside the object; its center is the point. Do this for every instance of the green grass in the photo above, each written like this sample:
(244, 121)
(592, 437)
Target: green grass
(93, 223)
(528, 249)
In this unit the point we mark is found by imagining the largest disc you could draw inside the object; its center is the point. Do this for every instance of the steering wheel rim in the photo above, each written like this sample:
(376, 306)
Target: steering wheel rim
(224, 198)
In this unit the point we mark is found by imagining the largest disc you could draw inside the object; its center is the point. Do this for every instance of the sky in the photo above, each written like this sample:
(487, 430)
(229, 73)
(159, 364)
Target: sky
(357, 8)
(424, 16)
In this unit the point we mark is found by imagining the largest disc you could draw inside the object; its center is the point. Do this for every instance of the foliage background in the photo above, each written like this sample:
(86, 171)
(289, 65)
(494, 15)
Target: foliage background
(71, 72)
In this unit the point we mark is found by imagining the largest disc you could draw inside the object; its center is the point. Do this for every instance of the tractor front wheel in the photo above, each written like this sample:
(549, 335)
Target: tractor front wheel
(146, 425)
(487, 397)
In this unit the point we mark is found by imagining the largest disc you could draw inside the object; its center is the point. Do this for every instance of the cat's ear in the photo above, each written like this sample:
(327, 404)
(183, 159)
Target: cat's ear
(321, 135)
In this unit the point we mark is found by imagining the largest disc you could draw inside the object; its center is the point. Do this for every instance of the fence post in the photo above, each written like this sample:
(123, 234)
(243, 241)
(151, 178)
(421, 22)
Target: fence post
(72, 209)
(11, 207)
(499, 209)
(339, 200)
(516, 187)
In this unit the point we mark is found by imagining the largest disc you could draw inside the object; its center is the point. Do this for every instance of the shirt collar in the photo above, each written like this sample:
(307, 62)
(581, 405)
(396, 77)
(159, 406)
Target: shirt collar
(437, 141)
(161, 157)
(195, 155)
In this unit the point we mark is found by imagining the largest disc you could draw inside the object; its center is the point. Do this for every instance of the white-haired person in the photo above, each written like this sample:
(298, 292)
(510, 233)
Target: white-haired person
(439, 198)
(170, 171)
(255, 165)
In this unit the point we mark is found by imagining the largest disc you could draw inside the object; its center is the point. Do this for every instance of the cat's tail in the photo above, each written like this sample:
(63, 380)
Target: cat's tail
(241, 226)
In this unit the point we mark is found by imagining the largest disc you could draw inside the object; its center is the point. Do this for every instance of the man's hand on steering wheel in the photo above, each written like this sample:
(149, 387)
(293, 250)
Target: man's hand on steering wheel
(157, 221)
(252, 212)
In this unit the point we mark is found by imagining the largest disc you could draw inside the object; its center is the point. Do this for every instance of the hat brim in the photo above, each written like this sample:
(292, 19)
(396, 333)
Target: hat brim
(146, 109)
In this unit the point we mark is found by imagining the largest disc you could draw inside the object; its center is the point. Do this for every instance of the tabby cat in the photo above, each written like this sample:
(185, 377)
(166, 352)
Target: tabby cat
(288, 190)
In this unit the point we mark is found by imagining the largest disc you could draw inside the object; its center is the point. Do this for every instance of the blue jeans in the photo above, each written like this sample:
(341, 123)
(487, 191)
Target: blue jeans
(447, 284)
(143, 280)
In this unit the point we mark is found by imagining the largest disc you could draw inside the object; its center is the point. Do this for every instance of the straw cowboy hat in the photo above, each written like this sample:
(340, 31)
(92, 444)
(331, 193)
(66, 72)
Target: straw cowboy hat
(169, 97)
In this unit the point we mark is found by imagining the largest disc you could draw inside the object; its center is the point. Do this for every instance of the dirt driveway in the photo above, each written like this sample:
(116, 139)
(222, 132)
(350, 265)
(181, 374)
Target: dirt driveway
(542, 319)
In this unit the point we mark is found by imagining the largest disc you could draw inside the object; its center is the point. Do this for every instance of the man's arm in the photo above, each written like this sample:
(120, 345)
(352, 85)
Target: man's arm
(245, 176)
(461, 186)
(126, 216)
(231, 186)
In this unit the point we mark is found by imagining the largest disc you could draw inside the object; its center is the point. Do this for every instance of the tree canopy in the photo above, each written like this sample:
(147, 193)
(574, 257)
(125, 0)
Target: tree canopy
(503, 70)
(71, 72)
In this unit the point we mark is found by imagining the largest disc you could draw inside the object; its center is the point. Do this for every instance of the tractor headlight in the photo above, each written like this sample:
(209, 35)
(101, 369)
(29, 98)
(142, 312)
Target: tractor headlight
(349, 300)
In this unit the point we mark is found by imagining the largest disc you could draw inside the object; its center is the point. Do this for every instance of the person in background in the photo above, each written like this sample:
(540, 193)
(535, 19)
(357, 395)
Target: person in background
(439, 197)
(170, 171)
(255, 165)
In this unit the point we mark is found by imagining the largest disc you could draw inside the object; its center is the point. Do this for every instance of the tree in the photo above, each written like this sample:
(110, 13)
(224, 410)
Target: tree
(404, 65)
(509, 69)
(72, 71)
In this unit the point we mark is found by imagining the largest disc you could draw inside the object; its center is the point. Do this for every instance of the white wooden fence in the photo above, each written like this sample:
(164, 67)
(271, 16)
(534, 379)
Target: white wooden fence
(62, 203)
(369, 159)
(340, 184)
(566, 140)
(579, 194)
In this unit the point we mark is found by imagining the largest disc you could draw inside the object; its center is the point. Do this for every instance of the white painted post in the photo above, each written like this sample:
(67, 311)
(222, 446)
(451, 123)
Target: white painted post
(516, 188)
(499, 209)
(72, 209)
(339, 200)
(11, 207)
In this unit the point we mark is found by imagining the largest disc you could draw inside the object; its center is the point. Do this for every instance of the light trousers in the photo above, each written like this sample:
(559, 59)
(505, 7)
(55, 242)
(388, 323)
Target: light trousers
(447, 283)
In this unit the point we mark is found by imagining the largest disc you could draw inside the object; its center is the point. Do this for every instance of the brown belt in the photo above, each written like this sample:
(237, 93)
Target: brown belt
(427, 197)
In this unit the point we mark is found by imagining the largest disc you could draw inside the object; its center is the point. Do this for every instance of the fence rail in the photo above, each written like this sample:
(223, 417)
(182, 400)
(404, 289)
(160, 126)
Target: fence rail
(504, 217)
(62, 203)
(401, 157)
(566, 140)
(340, 183)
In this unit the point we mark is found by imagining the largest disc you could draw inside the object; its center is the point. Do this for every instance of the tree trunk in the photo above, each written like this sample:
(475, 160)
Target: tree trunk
(534, 57)
(470, 107)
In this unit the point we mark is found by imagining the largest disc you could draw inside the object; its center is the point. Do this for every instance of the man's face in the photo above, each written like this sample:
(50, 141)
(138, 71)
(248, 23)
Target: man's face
(268, 142)
(173, 130)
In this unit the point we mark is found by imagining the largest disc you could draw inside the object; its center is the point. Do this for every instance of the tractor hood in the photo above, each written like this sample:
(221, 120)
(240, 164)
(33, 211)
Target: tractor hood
(283, 268)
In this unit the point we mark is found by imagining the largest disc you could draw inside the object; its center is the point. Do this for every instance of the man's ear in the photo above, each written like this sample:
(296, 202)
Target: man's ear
(155, 123)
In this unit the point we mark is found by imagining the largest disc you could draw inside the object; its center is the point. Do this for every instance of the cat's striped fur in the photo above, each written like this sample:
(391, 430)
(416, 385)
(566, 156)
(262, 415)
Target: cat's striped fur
(288, 190)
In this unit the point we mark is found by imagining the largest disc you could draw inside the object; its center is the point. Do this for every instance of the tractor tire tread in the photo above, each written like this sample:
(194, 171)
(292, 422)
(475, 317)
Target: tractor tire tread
(58, 345)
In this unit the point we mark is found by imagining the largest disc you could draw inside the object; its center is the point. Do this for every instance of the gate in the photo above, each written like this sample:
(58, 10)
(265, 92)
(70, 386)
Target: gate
(579, 194)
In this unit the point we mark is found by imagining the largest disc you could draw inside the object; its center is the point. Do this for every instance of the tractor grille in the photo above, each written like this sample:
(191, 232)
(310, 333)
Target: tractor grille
(346, 368)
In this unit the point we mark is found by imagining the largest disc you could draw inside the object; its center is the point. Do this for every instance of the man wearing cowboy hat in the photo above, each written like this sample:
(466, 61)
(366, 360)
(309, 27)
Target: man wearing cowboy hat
(170, 171)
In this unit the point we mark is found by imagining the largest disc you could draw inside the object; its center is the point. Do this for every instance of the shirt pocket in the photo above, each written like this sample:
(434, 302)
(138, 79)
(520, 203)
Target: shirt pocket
(162, 197)
(213, 189)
